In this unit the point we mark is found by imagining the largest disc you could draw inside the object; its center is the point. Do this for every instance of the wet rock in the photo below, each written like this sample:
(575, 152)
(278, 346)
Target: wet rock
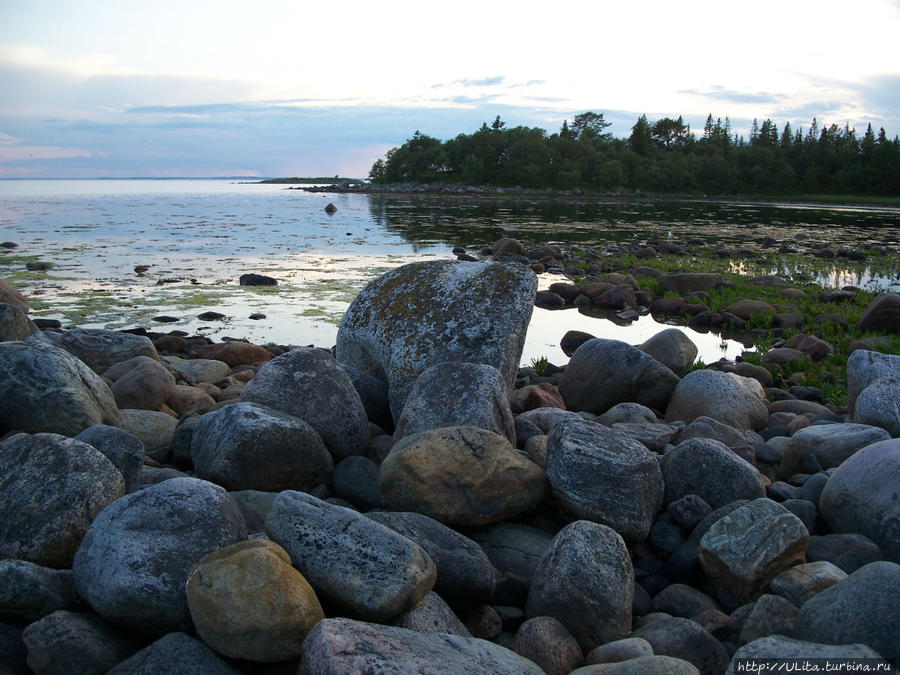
(859, 609)
(863, 496)
(683, 639)
(174, 653)
(457, 394)
(601, 475)
(461, 476)
(585, 580)
(337, 646)
(742, 551)
(602, 373)
(52, 489)
(133, 562)
(431, 312)
(465, 575)
(710, 470)
(29, 592)
(431, 615)
(100, 348)
(672, 348)
(725, 397)
(801, 582)
(249, 446)
(546, 641)
(248, 591)
(123, 449)
(211, 316)
(253, 279)
(15, 324)
(308, 383)
(362, 568)
(67, 642)
(882, 315)
(46, 389)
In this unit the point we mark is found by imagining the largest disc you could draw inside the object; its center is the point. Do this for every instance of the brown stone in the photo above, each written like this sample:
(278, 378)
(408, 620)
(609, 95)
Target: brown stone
(543, 395)
(234, 353)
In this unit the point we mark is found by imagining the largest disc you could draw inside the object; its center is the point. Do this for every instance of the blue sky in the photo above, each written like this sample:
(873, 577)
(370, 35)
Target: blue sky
(277, 88)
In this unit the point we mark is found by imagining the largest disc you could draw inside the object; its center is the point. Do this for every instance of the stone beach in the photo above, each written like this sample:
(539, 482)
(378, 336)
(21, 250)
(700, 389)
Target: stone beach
(414, 501)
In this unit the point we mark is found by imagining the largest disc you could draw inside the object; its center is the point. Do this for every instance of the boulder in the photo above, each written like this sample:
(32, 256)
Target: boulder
(29, 592)
(686, 640)
(514, 548)
(248, 602)
(769, 615)
(865, 367)
(603, 372)
(782, 649)
(882, 315)
(198, 370)
(627, 413)
(46, 389)
(308, 383)
(707, 427)
(877, 405)
(831, 444)
(726, 397)
(465, 575)
(859, 609)
(686, 282)
(51, 489)
(175, 653)
(586, 581)
(710, 470)
(430, 312)
(254, 506)
(154, 429)
(431, 615)
(15, 324)
(249, 446)
(848, 551)
(66, 642)
(373, 392)
(618, 651)
(253, 279)
(338, 646)
(457, 394)
(604, 476)
(123, 449)
(672, 348)
(234, 353)
(745, 549)
(146, 386)
(546, 641)
(356, 480)
(747, 308)
(10, 295)
(361, 568)
(100, 348)
(801, 582)
(863, 496)
(133, 562)
(461, 476)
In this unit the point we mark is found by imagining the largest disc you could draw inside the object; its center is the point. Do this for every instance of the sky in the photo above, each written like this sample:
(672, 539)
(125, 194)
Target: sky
(192, 88)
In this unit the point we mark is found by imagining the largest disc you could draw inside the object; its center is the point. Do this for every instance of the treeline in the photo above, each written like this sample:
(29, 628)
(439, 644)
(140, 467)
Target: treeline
(659, 156)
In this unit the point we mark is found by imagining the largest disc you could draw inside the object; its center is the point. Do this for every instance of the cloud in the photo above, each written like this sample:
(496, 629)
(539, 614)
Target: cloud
(494, 81)
(719, 93)
(14, 153)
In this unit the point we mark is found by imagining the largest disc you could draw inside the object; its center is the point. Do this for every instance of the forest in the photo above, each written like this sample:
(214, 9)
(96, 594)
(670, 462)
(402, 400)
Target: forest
(664, 155)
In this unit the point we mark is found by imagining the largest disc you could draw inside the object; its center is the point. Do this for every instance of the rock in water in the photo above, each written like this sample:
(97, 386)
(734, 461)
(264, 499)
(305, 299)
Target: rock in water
(361, 567)
(134, 560)
(338, 646)
(430, 312)
(46, 389)
(308, 383)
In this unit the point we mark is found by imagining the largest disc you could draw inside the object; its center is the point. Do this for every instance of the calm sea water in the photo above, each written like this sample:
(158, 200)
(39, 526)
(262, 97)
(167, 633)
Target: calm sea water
(198, 236)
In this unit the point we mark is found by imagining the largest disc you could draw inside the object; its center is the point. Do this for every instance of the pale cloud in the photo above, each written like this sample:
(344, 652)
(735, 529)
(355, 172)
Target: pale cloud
(14, 153)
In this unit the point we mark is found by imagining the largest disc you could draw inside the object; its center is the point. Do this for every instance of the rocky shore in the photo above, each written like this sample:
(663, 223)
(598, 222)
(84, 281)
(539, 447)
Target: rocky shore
(413, 501)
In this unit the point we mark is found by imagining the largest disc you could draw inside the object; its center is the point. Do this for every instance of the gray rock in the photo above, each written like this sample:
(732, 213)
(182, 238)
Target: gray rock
(672, 348)
(514, 548)
(863, 496)
(154, 429)
(546, 641)
(627, 413)
(134, 560)
(373, 392)
(689, 510)
(15, 324)
(726, 397)
(601, 475)
(831, 444)
(878, 405)
(865, 367)
(642, 665)
(29, 592)
(254, 506)
(175, 653)
(861, 608)
(308, 383)
(882, 314)
(249, 446)
(801, 582)
(46, 389)
(339, 646)
(100, 348)
(783, 648)
(771, 614)
(457, 394)
(586, 581)
(356, 480)
(848, 551)
(361, 567)
(123, 449)
(619, 650)
(707, 427)
(198, 370)
(682, 600)
(602, 373)
(430, 312)
(67, 642)
(52, 487)
(465, 575)
(742, 551)
(709, 469)
(432, 615)
(684, 639)
(654, 437)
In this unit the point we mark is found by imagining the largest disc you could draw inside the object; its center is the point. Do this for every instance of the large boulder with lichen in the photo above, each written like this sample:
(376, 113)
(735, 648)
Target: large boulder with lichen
(431, 312)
